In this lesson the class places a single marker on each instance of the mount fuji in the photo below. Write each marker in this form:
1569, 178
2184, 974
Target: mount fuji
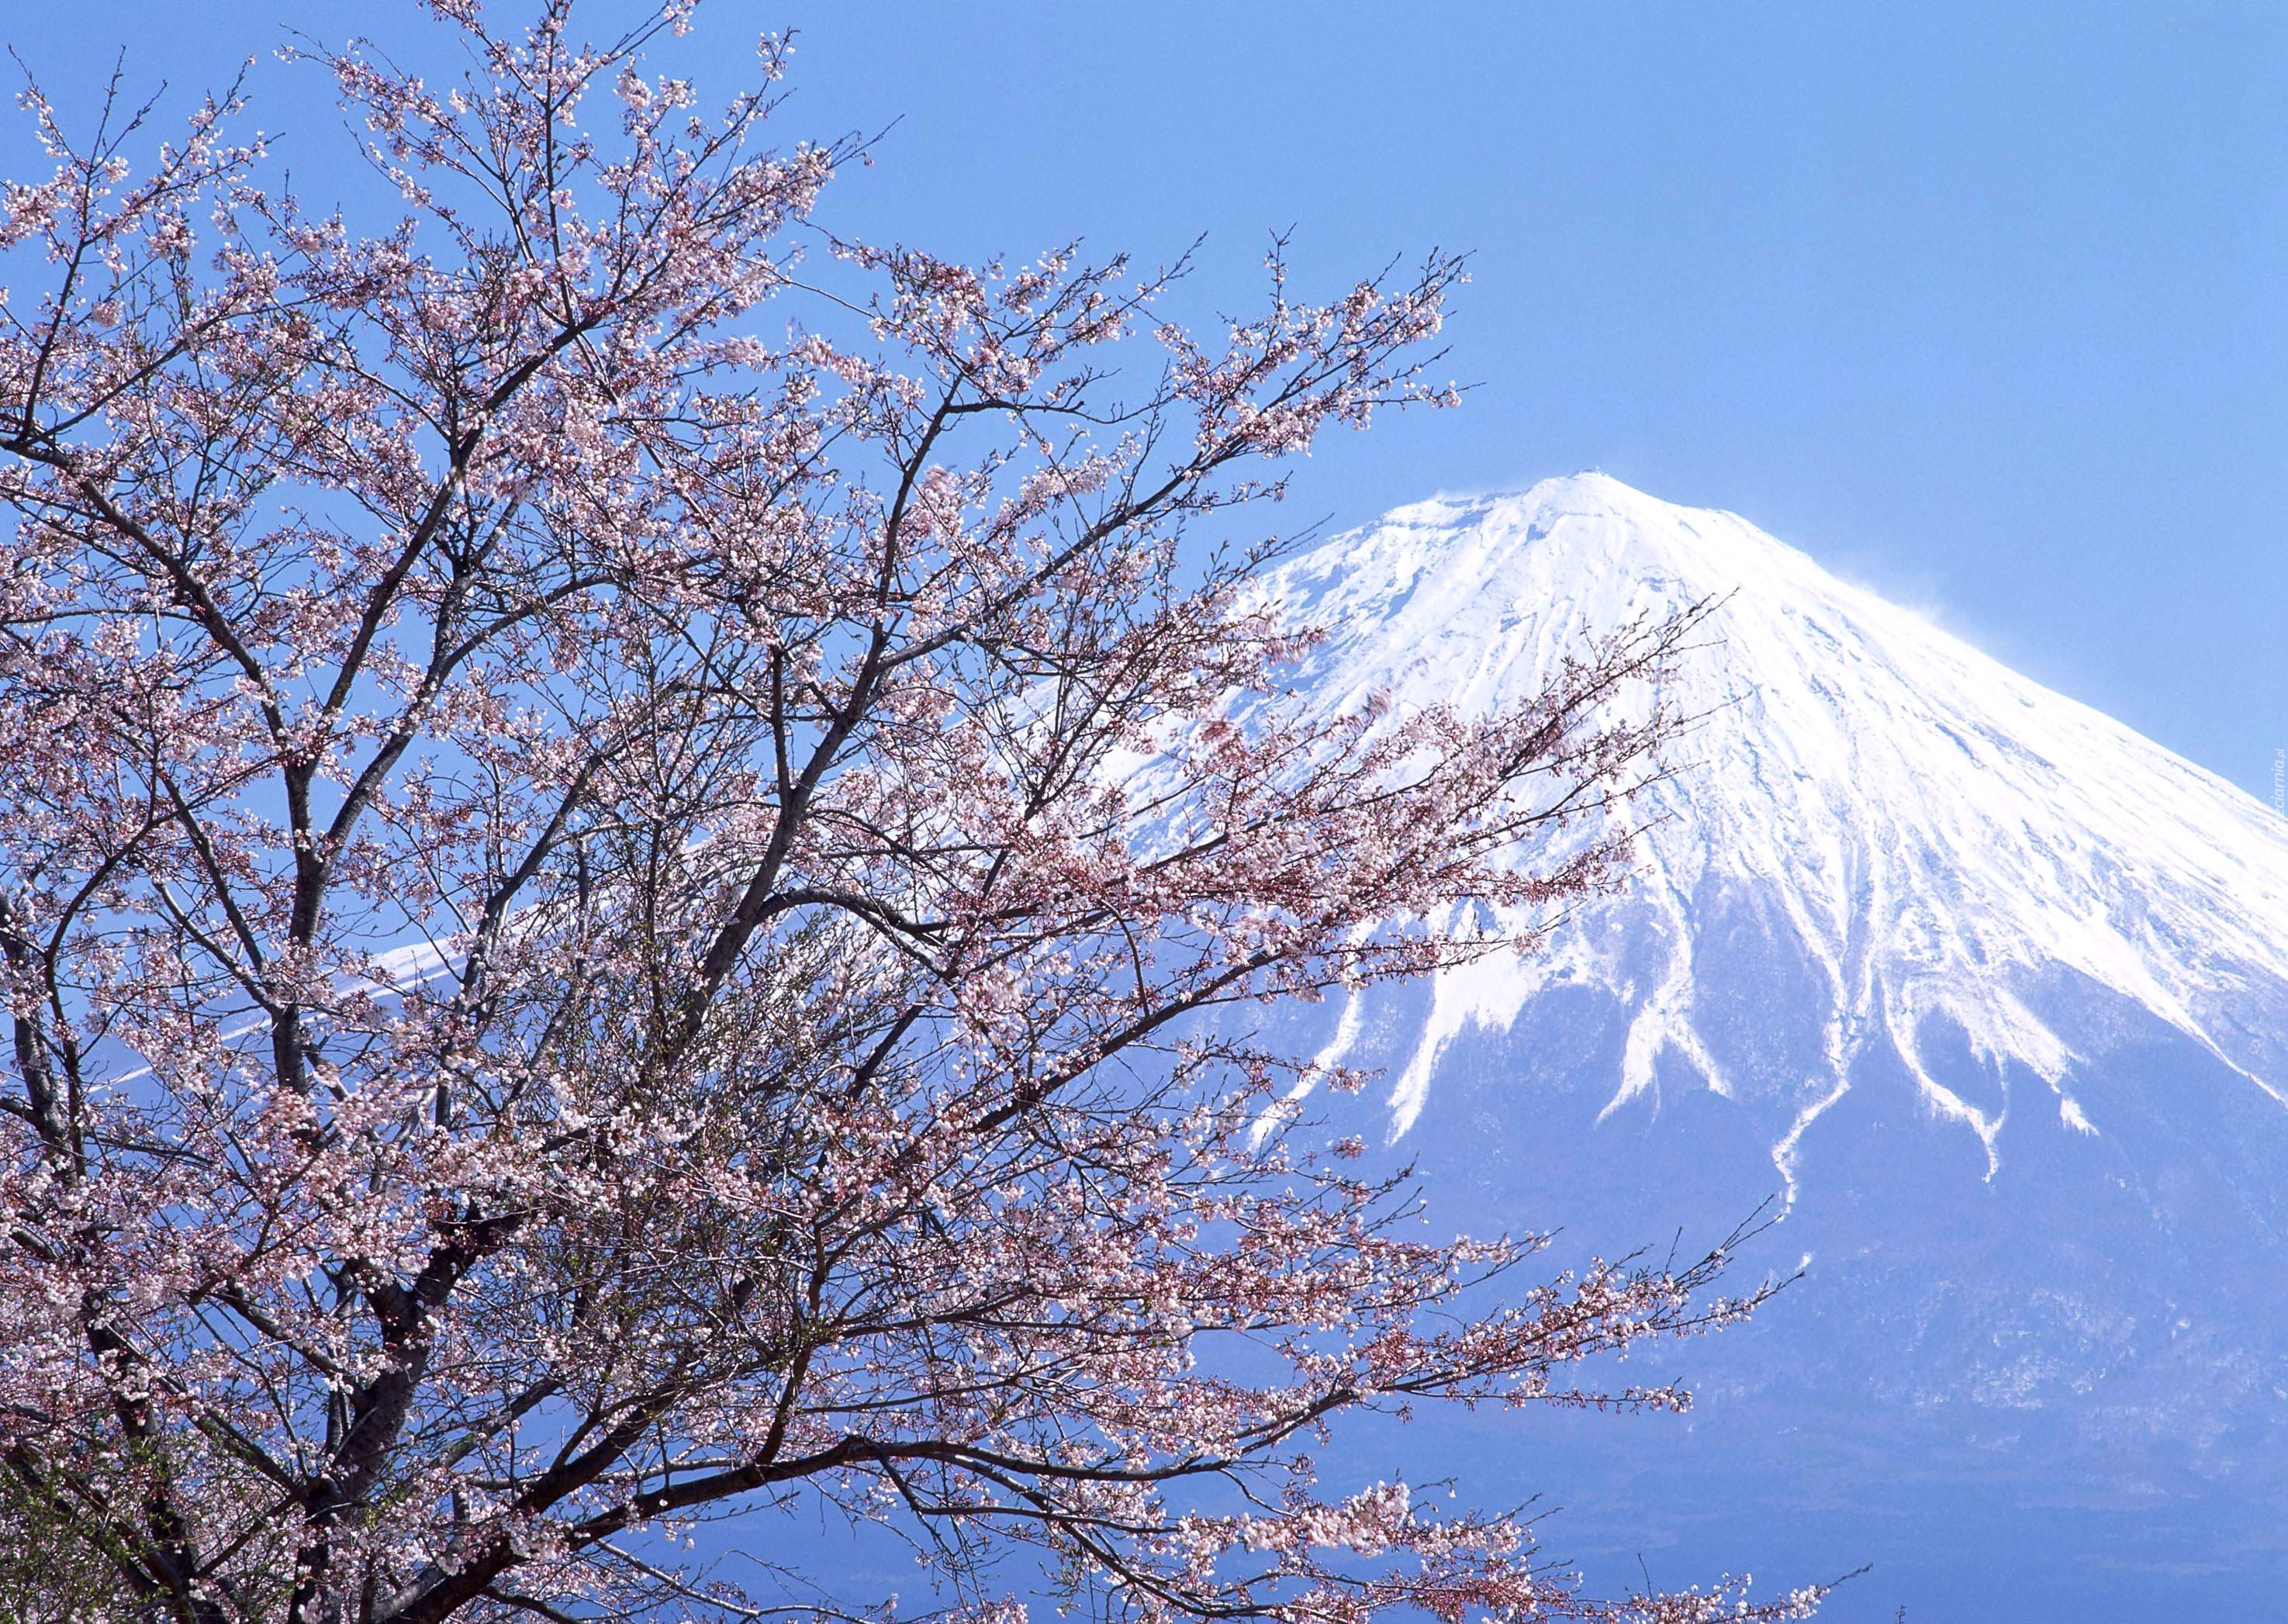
1989, 992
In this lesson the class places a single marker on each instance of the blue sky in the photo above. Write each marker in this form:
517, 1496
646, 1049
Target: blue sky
1986, 306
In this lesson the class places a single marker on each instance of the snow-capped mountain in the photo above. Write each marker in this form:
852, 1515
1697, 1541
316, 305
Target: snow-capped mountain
1990, 989
1935, 833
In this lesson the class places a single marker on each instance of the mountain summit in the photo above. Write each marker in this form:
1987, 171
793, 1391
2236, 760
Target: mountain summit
1955, 856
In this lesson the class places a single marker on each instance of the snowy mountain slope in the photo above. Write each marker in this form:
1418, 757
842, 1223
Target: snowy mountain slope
1942, 846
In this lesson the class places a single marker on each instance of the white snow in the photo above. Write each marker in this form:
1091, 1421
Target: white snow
1936, 831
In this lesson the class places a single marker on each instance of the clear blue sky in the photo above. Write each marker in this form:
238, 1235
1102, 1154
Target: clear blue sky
1985, 305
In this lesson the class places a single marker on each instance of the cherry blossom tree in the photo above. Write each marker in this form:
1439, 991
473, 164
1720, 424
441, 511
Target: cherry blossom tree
634, 841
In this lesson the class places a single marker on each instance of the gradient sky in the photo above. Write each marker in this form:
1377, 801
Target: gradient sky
1985, 307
